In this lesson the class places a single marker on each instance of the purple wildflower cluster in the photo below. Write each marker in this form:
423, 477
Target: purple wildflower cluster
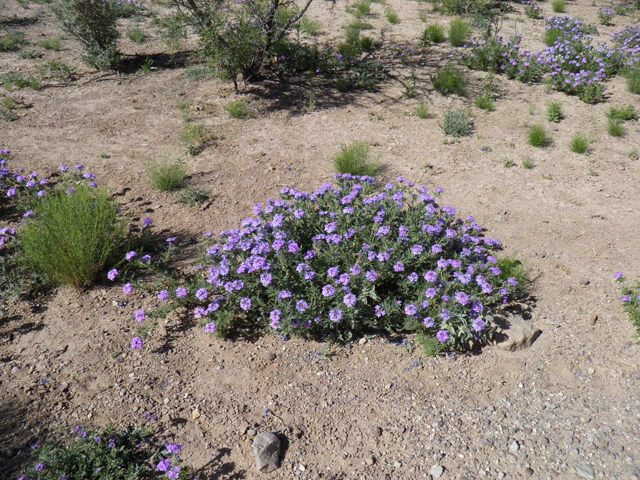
347, 257
606, 15
630, 299
572, 64
532, 10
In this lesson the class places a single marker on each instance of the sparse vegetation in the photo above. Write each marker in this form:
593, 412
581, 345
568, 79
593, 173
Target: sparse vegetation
433, 34
421, 111
356, 159
554, 112
485, 102
538, 136
167, 176
559, 6
237, 109
615, 128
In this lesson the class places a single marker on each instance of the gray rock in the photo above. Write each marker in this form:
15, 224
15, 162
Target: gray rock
266, 451
436, 471
514, 447
514, 333
586, 471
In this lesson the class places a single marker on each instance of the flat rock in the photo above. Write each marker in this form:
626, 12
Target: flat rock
436, 471
266, 451
586, 471
514, 333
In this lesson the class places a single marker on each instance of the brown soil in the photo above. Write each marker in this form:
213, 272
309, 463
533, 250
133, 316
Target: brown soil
572, 399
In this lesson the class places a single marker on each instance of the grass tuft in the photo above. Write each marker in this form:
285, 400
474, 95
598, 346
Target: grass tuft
615, 127
433, 34
579, 144
356, 159
538, 136
450, 80
485, 102
421, 111
559, 6
459, 32
167, 176
237, 109
554, 112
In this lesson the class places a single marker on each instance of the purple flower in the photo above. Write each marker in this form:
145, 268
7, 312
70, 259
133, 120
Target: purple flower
171, 240
442, 336
202, 294
371, 275
349, 299
398, 267
145, 259
130, 256
436, 249
328, 291
64, 168
42, 193
627, 298
181, 292
462, 298
335, 315
174, 448
78, 428
174, 473
293, 247
284, 294
136, 343
71, 191
428, 322
618, 275
478, 324
141, 315
164, 465
410, 310
245, 304
11, 192
431, 276
112, 274
331, 227
127, 289
79, 167
412, 277
210, 327
163, 295
39, 467
333, 271
301, 306
417, 249
147, 222
430, 292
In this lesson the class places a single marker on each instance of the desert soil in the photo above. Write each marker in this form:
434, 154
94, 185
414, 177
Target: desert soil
566, 408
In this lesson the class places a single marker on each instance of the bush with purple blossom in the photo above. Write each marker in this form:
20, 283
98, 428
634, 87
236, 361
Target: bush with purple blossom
630, 300
110, 454
347, 259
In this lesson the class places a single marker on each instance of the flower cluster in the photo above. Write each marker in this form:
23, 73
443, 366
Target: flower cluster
606, 15
630, 299
348, 258
531, 10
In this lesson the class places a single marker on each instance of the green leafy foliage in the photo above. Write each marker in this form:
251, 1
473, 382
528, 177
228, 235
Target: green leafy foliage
579, 144
433, 34
554, 112
167, 176
456, 123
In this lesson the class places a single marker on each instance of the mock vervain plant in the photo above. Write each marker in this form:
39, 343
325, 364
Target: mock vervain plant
347, 259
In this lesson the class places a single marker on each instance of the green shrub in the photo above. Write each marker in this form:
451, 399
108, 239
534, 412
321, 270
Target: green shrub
512, 267
193, 138
194, 196
633, 81
237, 109
559, 6
623, 114
456, 123
485, 102
51, 44
136, 35
459, 33
554, 112
615, 127
310, 26
94, 24
551, 36
538, 136
579, 144
422, 111
109, 454
12, 42
361, 8
73, 236
450, 80
167, 176
433, 34
356, 159
392, 16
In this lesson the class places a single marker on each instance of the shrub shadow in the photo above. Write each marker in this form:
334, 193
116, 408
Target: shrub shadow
217, 468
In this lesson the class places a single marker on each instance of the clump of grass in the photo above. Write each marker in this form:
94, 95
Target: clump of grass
12, 42
192, 138
310, 27
200, 73
633, 81
459, 32
512, 267
634, 154
356, 159
193, 196
559, 6
615, 127
554, 112
485, 102
19, 80
392, 16
136, 35
361, 8
167, 176
73, 237
433, 34
528, 164
623, 114
508, 163
237, 109
456, 123
450, 80
53, 44
359, 25
579, 144
421, 111
551, 36
58, 70
538, 136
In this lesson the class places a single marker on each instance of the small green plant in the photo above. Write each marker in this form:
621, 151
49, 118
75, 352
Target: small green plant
51, 44
623, 114
634, 154
559, 6
450, 80
94, 24
58, 70
200, 73
361, 8
356, 159
631, 301
136, 35
193, 196
392, 16
421, 111
528, 163
237, 109
508, 163
554, 112
310, 26
633, 81
532, 110
579, 144
12, 42
456, 123
538, 136
433, 34
193, 138
19, 80
615, 128
512, 267
167, 176
485, 102
147, 65
109, 454
359, 25
459, 32
73, 235
552, 35
410, 89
